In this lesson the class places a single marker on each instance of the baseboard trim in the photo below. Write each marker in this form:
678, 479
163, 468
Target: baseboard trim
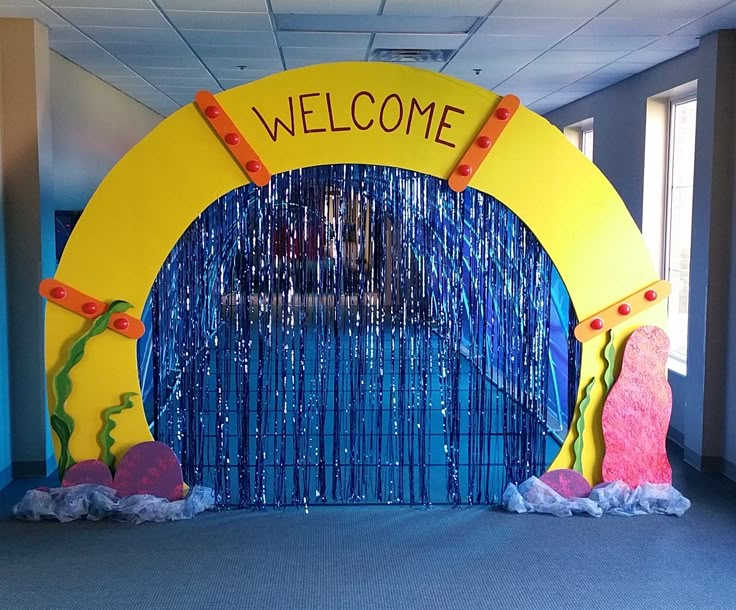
677, 437
6, 476
704, 463
30, 470
729, 470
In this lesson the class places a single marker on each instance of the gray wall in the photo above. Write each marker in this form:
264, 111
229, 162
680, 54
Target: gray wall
704, 409
76, 128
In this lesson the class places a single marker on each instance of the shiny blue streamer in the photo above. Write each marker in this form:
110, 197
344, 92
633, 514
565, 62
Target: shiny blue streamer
355, 334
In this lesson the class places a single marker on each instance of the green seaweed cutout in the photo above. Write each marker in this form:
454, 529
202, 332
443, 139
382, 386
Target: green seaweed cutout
578, 444
61, 384
609, 354
106, 440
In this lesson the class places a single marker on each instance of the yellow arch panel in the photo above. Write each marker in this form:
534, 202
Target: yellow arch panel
368, 113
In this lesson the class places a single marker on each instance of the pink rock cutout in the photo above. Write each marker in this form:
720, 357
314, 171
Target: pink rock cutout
88, 471
637, 412
568, 483
150, 468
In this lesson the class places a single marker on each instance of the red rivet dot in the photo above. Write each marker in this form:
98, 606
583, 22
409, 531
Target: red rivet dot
464, 170
121, 324
596, 323
212, 111
484, 142
503, 113
253, 166
89, 308
624, 309
650, 295
232, 139
58, 292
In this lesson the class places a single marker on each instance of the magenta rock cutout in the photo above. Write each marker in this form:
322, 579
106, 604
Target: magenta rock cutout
150, 468
89, 471
568, 483
637, 412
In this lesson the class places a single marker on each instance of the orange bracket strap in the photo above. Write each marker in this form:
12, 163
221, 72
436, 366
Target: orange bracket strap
233, 140
615, 314
483, 142
78, 302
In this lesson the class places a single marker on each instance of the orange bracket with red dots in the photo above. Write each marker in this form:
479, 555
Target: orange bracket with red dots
78, 302
483, 142
615, 314
237, 145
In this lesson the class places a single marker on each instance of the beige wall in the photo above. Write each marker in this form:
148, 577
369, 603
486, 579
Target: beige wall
92, 126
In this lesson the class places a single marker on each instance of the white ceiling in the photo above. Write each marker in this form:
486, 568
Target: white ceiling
548, 52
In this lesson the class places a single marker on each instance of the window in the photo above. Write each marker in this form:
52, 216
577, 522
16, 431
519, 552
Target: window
669, 163
581, 136
586, 142
678, 220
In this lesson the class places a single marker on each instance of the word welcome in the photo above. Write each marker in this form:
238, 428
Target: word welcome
316, 113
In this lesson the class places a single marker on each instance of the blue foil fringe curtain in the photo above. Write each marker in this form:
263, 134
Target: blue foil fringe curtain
355, 334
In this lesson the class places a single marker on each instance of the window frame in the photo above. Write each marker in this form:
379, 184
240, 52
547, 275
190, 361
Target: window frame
675, 361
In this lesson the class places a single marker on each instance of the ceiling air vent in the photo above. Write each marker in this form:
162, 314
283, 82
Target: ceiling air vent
411, 55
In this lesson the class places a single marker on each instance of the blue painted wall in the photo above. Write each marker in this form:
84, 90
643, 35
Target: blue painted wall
704, 401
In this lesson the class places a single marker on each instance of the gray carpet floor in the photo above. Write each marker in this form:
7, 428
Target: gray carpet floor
380, 557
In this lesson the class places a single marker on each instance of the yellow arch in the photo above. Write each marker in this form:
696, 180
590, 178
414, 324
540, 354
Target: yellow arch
152, 195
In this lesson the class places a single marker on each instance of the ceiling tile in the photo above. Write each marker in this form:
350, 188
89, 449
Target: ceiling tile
655, 8
339, 7
528, 26
151, 61
375, 23
105, 34
261, 52
241, 6
38, 12
323, 39
229, 38
326, 54
545, 8
582, 88
418, 41
489, 43
301, 63
153, 73
224, 74
490, 72
16, 3
647, 55
503, 56
630, 27
553, 71
723, 19
203, 83
234, 82
464, 8
232, 63
674, 43
133, 18
580, 57
125, 4
66, 33
199, 20
604, 43
611, 73
159, 49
